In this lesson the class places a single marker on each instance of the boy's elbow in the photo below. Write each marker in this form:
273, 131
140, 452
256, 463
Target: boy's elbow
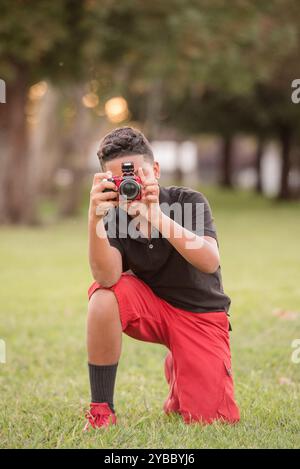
107, 281
213, 270
212, 267
110, 283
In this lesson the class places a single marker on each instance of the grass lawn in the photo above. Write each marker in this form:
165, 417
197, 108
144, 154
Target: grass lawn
43, 299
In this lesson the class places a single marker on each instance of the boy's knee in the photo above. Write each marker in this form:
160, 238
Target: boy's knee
102, 304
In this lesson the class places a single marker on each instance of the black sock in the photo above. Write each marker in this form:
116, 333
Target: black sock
102, 381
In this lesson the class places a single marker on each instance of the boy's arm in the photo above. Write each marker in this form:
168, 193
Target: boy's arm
200, 251
105, 260
200, 248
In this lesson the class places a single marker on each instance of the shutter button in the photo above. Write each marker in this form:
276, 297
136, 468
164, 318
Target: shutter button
150, 246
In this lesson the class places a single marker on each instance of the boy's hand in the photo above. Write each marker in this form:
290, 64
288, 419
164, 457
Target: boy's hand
101, 202
148, 206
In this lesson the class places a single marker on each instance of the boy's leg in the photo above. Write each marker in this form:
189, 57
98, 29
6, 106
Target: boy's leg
202, 367
142, 314
104, 328
129, 306
104, 336
201, 361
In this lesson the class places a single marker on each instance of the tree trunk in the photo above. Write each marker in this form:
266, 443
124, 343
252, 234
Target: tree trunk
226, 168
286, 143
17, 205
46, 151
77, 149
258, 161
3, 160
178, 173
153, 108
72, 200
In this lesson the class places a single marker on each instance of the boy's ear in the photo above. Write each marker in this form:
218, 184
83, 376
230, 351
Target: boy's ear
156, 169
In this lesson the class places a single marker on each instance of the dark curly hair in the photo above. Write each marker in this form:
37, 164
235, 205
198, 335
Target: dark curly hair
124, 141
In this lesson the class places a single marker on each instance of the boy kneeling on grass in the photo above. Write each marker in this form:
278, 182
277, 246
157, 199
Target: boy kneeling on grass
153, 253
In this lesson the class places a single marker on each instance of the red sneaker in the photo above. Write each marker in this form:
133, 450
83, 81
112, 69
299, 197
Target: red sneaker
99, 415
172, 403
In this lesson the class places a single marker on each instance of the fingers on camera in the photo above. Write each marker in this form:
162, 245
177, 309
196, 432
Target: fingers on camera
106, 205
101, 186
110, 195
151, 188
98, 177
151, 198
142, 175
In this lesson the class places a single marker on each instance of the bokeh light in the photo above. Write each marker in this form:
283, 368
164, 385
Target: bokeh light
90, 100
116, 109
38, 90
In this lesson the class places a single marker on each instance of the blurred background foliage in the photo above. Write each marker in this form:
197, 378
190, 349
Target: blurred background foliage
180, 70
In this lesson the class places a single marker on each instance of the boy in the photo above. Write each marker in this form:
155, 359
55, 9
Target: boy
172, 294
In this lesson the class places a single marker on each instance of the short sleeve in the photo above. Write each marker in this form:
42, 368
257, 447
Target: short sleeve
198, 215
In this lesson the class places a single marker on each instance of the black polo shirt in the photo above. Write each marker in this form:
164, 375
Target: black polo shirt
156, 261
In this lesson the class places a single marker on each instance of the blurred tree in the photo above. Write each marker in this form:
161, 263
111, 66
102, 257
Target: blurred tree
65, 42
223, 63
37, 40
186, 63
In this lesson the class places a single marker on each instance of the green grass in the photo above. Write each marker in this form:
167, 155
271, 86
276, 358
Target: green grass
43, 299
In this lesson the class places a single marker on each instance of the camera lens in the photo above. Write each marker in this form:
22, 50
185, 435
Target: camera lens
129, 189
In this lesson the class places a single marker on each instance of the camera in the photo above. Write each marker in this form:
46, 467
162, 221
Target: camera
129, 186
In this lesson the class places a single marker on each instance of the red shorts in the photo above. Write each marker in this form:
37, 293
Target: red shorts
199, 344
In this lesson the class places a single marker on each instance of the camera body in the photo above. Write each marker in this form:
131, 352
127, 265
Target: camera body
128, 185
